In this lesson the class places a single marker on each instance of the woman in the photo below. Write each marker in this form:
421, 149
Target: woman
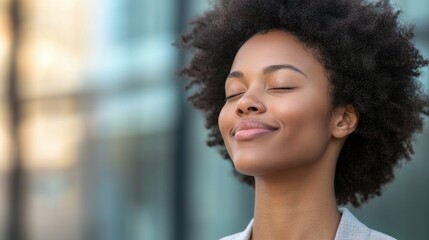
314, 102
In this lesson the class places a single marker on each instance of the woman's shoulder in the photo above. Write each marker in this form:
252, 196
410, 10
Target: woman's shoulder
244, 235
351, 228
233, 237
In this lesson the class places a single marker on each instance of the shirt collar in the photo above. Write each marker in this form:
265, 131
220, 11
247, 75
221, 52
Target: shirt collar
349, 226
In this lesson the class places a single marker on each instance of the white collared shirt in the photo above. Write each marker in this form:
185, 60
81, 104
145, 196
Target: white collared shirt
350, 228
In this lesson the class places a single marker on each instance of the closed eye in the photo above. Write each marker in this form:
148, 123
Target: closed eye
232, 96
282, 88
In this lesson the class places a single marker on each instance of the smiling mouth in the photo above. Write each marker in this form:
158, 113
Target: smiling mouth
251, 129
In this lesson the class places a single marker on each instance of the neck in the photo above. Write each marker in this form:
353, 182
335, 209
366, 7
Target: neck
299, 204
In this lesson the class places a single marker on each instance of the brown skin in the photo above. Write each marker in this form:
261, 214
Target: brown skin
281, 128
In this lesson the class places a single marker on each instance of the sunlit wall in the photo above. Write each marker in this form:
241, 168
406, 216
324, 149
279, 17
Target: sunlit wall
110, 148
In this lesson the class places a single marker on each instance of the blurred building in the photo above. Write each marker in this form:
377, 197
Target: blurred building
109, 146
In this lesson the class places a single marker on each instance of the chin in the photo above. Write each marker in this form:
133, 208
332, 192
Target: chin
252, 165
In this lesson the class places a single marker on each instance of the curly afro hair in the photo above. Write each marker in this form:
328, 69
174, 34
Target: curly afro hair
373, 66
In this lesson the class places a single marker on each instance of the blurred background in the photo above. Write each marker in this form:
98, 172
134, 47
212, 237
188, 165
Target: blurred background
98, 142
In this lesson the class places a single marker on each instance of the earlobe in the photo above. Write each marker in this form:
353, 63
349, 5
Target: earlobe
346, 119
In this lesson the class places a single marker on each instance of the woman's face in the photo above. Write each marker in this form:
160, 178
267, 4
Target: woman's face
278, 113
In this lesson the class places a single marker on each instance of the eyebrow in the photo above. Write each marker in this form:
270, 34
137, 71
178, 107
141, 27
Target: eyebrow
269, 69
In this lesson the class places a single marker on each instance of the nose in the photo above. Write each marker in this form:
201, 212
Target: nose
249, 103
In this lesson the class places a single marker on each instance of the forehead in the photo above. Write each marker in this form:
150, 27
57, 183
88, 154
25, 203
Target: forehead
273, 47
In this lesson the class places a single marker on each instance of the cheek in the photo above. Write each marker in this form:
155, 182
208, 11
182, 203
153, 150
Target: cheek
225, 122
309, 109
298, 113
306, 125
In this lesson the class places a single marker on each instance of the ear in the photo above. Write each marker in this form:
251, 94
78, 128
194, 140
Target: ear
345, 121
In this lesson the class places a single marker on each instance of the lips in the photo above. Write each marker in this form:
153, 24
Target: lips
250, 129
